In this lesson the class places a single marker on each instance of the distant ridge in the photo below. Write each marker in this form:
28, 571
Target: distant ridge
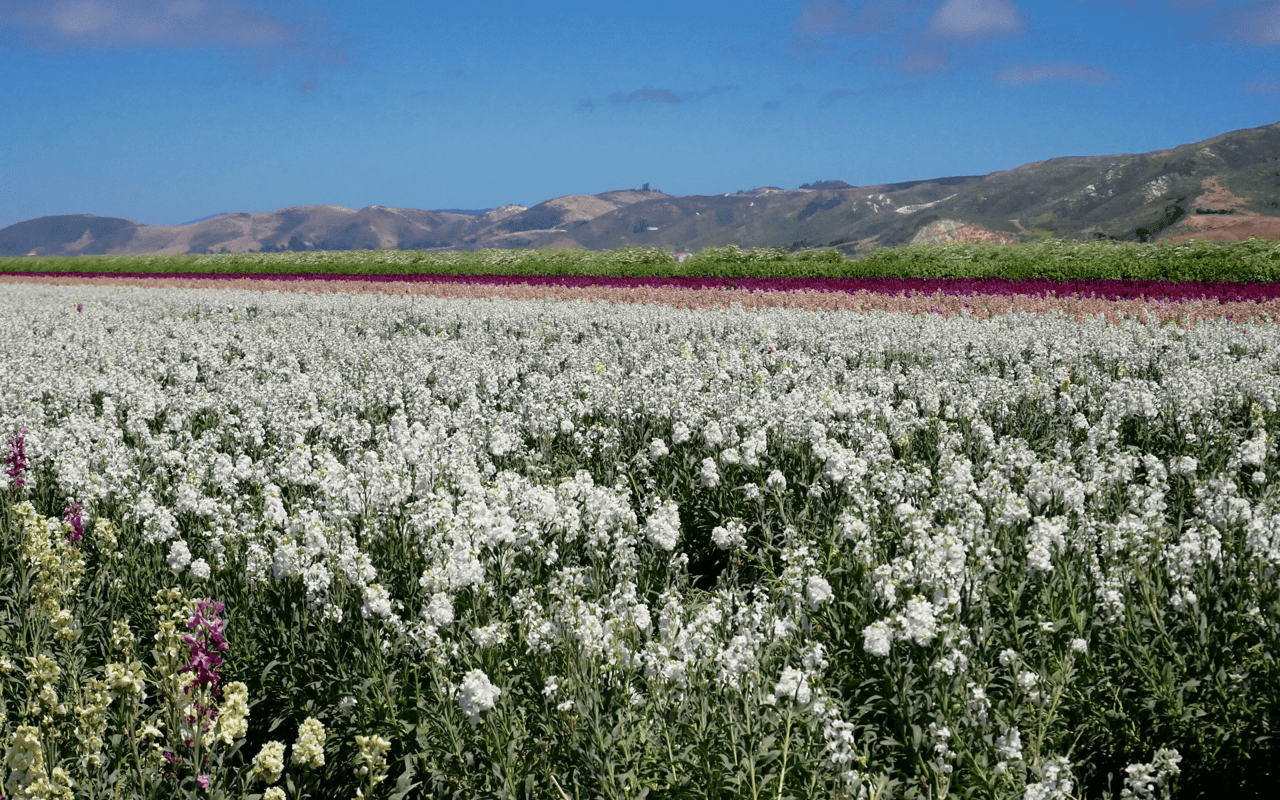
202, 219
1227, 187
470, 212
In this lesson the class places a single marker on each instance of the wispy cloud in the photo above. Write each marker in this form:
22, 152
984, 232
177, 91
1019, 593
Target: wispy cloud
808, 47
925, 61
661, 96
655, 97
833, 96
839, 18
1017, 74
976, 19
180, 24
1262, 85
152, 23
1255, 24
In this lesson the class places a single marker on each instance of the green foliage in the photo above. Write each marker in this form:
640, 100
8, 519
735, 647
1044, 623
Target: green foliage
1256, 260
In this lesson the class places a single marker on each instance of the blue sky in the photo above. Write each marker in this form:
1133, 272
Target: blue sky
164, 111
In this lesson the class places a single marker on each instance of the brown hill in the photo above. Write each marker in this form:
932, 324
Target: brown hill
1227, 187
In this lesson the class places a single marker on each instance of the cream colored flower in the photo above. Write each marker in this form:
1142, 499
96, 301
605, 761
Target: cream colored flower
268, 764
373, 752
233, 716
309, 749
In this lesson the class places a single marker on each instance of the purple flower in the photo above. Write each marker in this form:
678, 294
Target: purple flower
204, 781
79, 306
74, 516
206, 643
17, 458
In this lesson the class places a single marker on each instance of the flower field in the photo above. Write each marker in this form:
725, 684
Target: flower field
282, 545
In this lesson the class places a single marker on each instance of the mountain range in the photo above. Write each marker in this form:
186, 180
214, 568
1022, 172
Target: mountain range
1223, 188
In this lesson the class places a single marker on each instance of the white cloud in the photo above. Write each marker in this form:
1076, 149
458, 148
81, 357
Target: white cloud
974, 19
1262, 85
1055, 71
1256, 23
146, 23
839, 18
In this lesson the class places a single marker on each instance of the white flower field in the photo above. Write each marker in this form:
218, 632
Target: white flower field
552, 549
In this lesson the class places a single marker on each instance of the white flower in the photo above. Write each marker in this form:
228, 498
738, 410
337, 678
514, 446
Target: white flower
663, 526
818, 591
489, 635
709, 477
1010, 744
1254, 451
658, 449
729, 536
377, 602
1055, 781
179, 556
477, 694
199, 569
711, 435
776, 481
439, 610
877, 638
793, 685
1008, 656
1143, 780
1079, 646
919, 623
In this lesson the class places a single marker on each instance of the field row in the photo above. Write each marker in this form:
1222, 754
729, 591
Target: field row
1254, 260
324, 544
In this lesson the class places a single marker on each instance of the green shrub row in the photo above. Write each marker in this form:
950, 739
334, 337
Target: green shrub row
1253, 260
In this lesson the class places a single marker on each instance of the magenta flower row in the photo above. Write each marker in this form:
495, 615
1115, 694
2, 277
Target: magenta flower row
1113, 290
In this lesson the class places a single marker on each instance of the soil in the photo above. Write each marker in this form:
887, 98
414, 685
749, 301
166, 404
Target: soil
1233, 227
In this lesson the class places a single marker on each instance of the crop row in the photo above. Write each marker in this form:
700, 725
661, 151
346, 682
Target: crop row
265, 544
1254, 260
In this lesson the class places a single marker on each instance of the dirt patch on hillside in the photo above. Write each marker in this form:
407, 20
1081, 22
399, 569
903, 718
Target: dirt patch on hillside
1237, 225
950, 230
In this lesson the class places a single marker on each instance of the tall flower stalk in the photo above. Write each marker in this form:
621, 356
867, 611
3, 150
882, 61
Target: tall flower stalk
16, 460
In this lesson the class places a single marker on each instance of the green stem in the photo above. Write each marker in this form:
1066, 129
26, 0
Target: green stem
786, 745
